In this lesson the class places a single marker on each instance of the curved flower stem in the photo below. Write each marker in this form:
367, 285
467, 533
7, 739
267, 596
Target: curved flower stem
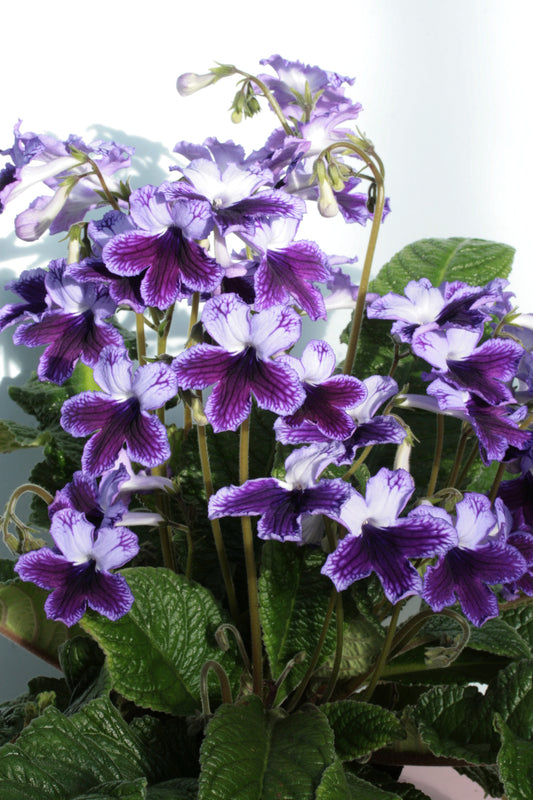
384, 655
223, 642
9, 516
251, 569
271, 99
225, 687
378, 174
110, 199
215, 526
316, 655
437, 456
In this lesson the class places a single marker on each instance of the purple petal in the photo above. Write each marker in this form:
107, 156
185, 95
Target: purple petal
350, 562
201, 366
253, 497
154, 384
114, 547
110, 595
43, 567
147, 441
85, 413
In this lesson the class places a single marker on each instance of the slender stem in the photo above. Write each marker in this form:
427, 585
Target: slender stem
338, 651
470, 460
141, 338
271, 99
496, 483
225, 688
251, 569
110, 199
382, 660
378, 176
316, 655
215, 526
437, 456
357, 464
187, 412
458, 456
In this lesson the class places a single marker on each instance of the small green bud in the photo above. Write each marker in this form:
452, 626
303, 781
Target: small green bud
335, 177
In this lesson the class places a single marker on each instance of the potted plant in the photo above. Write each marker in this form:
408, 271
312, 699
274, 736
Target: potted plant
264, 571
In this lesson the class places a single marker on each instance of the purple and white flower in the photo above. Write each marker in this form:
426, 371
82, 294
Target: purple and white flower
479, 559
284, 505
79, 568
119, 415
243, 362
379, 541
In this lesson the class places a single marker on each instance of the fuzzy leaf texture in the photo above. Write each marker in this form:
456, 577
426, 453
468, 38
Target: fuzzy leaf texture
155, 652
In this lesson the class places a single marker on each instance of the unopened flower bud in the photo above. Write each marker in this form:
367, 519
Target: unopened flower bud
190, 82
327, 204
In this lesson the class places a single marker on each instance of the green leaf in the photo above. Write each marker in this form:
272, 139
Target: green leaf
23, 620
293, 598
474, 261
14, 436
457, 721
360, 728
495, 636
82, 663
62, 758
363, 790
252, 754
334, 785
128, 790
155, 652
520, 617
176, 789
515, 761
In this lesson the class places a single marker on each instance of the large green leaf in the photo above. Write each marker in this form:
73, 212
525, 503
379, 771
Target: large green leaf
252, 754
371, 781
495, 636
155, 653
360, 728
23, 620
176, 789
473, 261
293, 598
457, 721
67, 758
515, 761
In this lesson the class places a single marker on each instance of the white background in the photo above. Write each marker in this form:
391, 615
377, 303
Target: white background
445, 87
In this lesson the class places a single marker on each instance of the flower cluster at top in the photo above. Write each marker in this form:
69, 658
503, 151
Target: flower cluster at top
223, 231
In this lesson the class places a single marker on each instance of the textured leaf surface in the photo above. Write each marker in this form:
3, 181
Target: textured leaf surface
59, 758
252, 754
360, 728
155, 652
14, 436
23, 620
515, 761
334, 785
495, 636
178, 789
458, 721
474, 261
363, 790
293, 597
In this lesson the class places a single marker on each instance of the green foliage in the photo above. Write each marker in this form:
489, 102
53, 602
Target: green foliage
515, 761
93, 753
250, 753
360, 728
474, 261
155, 652
23, 619
14, 436
293, 598
457, 721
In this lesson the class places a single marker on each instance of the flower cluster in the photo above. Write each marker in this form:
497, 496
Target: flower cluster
223, 231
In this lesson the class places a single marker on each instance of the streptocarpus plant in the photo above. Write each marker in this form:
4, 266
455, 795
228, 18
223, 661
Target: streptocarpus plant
329, 558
